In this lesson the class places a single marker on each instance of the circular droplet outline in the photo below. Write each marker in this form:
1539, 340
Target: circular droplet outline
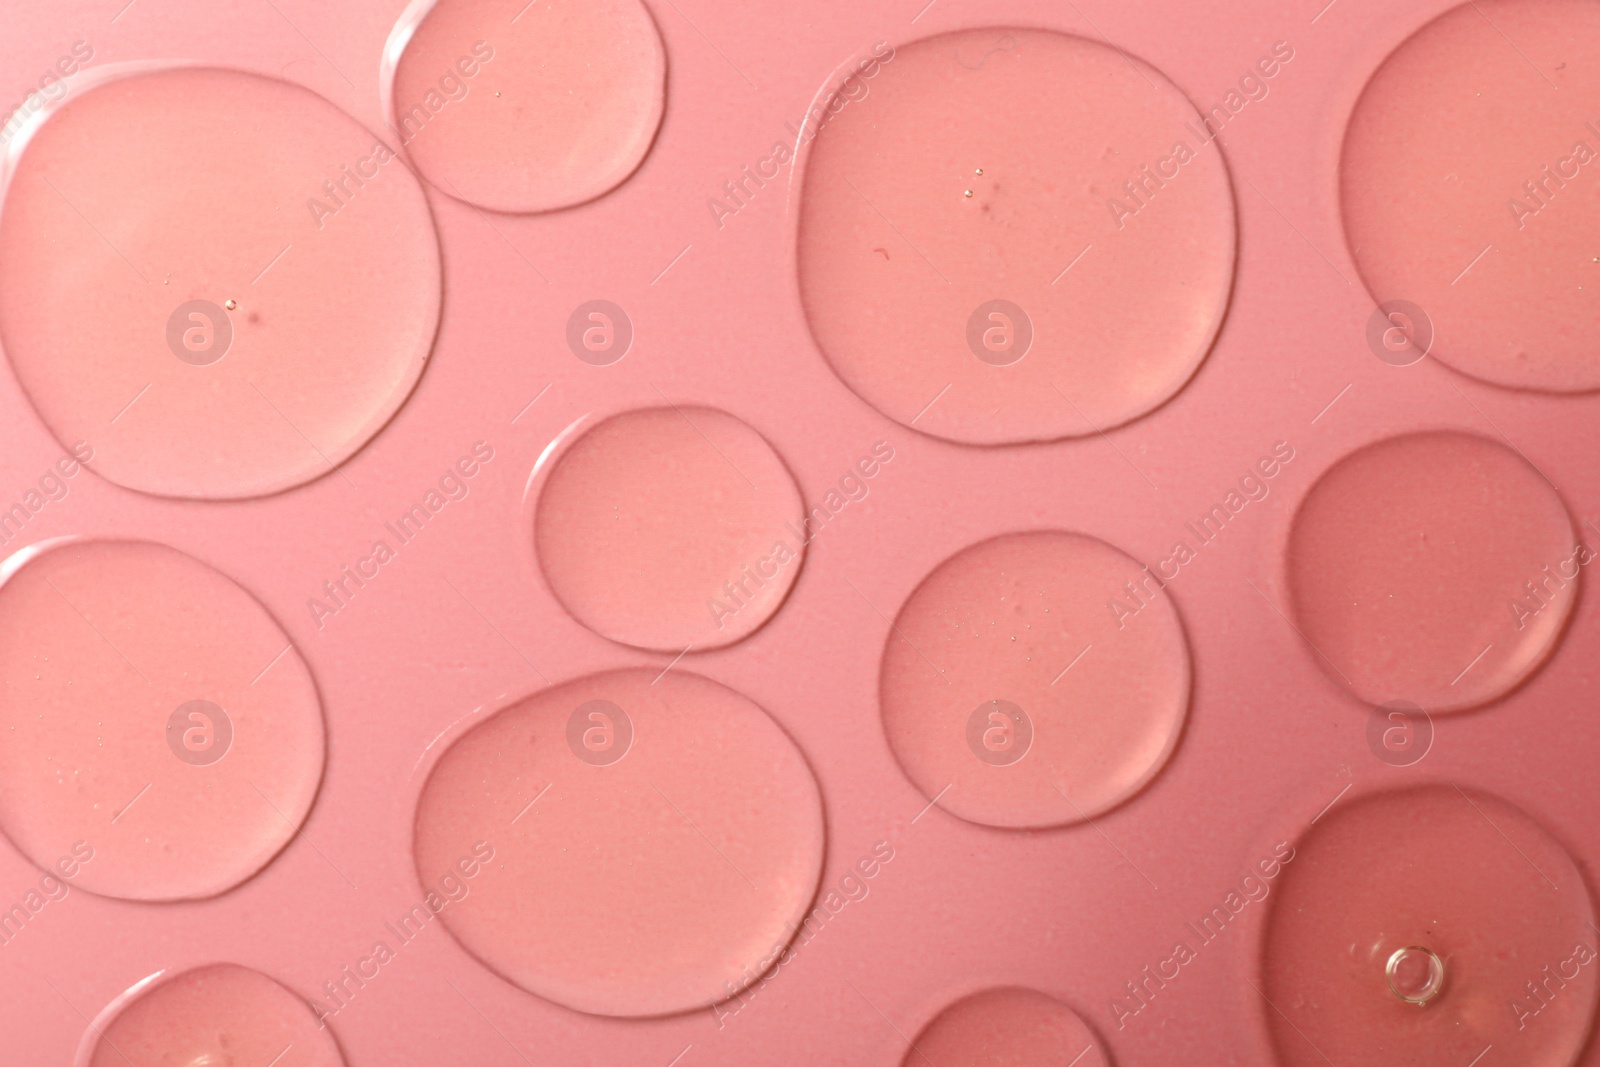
13, 564
443, 742
1079, 818
91, 78
90, 1040
561, 445
799, 164
1288, 520
415, 13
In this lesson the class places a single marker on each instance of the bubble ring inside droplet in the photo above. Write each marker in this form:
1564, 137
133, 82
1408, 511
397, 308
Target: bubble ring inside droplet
1429, 988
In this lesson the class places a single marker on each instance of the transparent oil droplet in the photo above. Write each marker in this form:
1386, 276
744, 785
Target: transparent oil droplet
1458, 595
647, 769
192, 406
213, 757
666, 527
214, 1016
1400, 921
587, 81
954, 647
890, 333
1002, 1027
1511, 309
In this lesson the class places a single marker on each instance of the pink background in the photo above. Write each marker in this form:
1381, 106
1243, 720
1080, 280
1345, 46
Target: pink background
1269, 740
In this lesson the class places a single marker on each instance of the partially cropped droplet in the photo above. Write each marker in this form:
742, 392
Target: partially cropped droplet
218, 1015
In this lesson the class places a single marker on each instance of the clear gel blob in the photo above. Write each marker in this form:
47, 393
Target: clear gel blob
244, 323
1468, 184
158, 731
1437, 568
1008, 1027
638, 843
1012, 695
524, 107
219, 1015
666, 528
1432, 869
1012, 235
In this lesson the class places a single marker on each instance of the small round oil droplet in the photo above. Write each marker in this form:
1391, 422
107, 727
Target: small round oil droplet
1007, 1027
211, 1016
1437, 568
669, 805
1415, 974
231, 304
1012, 695
521, 107
668, 527
160, 729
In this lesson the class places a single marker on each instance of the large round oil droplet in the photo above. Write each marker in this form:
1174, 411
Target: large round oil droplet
250, 318
1468, 187
1010, 1027
220, 1015
671, 527
1487, 913
158, 731
1437, 568
1013, 235
1016, 696
524, 107
630, 845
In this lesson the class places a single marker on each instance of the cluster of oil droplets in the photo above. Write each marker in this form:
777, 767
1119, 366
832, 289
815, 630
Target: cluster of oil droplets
228, 368
1440, 924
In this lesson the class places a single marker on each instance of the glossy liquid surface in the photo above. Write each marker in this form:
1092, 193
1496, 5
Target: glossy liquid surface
1013, 695
970, 261
237, 327
656, 842
671, 527
524, 107
1468, 183
1007, 1028
152, 715
220, 1015
1438, 568
1460, 873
